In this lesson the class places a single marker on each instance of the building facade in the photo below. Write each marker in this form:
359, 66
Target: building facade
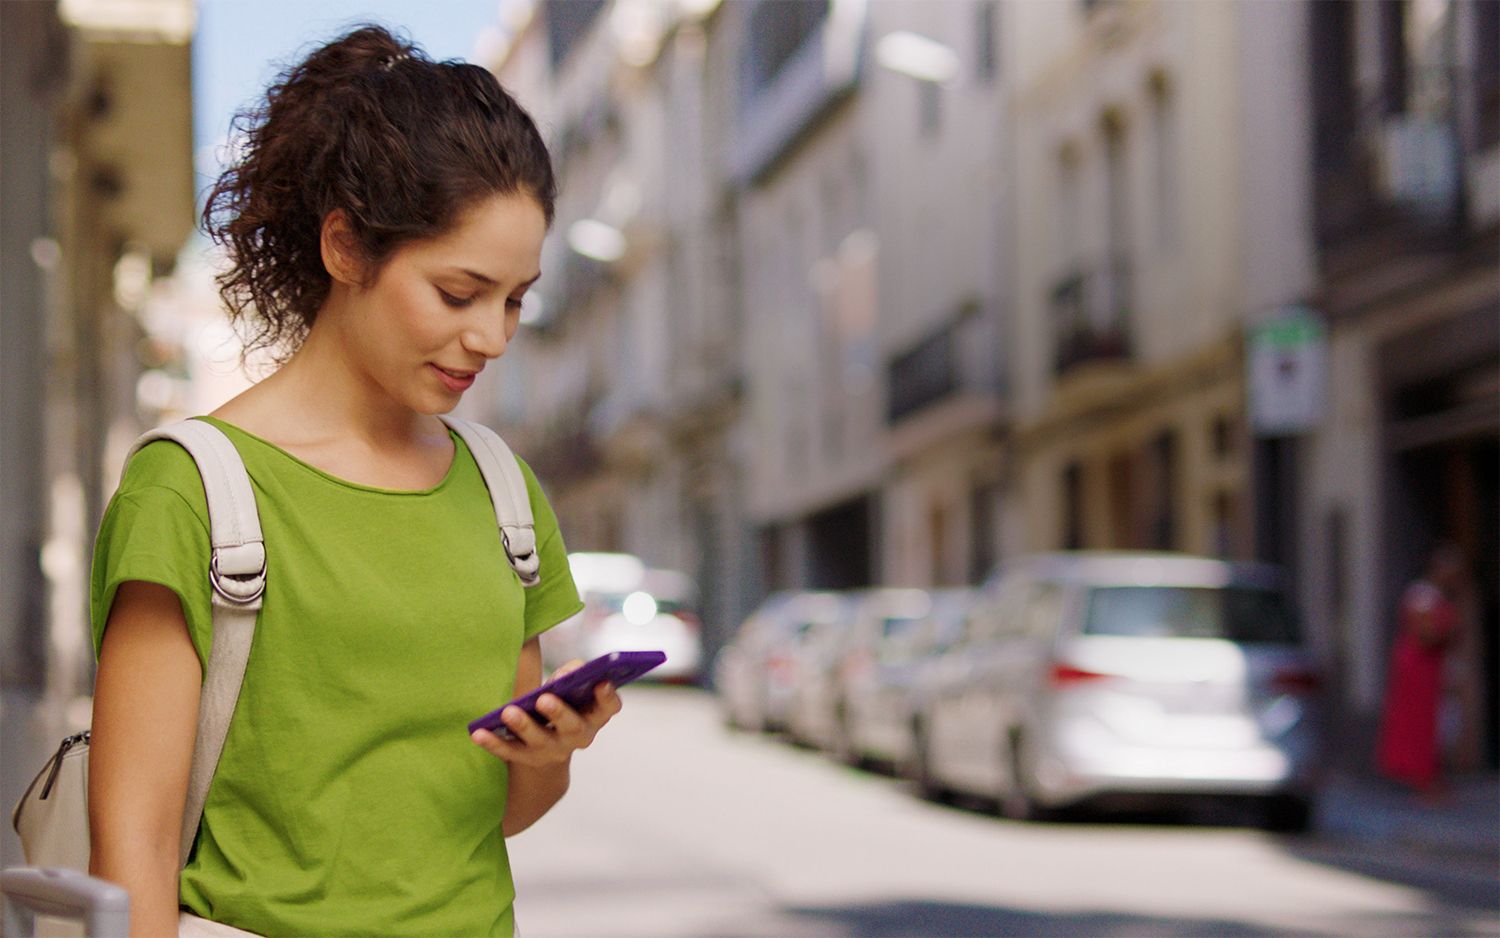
626, 394
938, 203
1406, 112
1150, 227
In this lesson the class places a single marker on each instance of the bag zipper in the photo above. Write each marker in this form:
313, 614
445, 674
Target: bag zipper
62, 750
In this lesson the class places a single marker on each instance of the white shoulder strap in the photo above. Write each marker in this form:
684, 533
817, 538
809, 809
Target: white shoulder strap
508, 495
237, 574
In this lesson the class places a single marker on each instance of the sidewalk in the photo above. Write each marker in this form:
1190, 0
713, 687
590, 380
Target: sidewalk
1364, 807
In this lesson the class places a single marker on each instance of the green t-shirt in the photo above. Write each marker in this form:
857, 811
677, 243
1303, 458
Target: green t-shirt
349, 798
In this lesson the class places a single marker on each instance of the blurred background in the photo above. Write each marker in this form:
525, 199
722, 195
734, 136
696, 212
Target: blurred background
852, 295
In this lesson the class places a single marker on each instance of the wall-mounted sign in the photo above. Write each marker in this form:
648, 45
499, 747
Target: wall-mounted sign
1288, 370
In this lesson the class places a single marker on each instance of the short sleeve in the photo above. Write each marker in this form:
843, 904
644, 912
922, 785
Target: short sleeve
154, 532
555, 598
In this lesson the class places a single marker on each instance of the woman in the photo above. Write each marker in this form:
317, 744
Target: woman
383, 223
1408, 749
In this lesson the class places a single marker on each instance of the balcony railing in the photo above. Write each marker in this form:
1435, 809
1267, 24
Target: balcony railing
1091, 313
1380, 166
923, 376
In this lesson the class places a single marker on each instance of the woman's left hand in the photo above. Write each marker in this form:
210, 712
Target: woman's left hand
566, 731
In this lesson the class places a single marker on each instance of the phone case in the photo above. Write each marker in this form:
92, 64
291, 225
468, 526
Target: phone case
576, 688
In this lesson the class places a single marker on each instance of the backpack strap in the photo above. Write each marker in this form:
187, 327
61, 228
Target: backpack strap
508, 495
237, 573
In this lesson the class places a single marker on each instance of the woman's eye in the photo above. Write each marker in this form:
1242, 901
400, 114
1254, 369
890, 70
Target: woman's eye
513, 304
454, 301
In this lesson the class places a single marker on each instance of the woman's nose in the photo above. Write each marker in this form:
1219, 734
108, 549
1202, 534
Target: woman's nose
485, 334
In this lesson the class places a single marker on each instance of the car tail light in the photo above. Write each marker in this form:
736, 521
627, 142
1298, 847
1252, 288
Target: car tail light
1296, 681
1066, 675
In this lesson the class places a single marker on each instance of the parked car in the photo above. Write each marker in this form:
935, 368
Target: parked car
846, 659
755, 674
658, 614
880, 698
812, 713
1089, 674
597, 576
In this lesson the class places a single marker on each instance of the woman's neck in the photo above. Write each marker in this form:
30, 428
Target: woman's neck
327, 395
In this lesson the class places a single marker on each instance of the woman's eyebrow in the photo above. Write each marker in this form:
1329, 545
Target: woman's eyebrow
492, 283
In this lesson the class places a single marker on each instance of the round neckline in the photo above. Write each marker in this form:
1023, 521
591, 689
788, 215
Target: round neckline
336, 480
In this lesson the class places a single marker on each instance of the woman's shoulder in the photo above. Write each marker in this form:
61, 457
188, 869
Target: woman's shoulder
161, 464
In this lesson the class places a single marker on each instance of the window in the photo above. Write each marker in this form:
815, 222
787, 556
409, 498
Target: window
1487, 72
1070, 208
776, 30
1164, 168
1163, 498
982, 513
930, 102
1224, 437
938, 537
1118, 221
1072, 495
985, 64
567, 23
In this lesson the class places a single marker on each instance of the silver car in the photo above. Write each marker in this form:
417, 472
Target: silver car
879, 681
1091, 674
756, 674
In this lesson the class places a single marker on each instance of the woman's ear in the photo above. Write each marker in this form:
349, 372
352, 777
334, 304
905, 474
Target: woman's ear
341, 254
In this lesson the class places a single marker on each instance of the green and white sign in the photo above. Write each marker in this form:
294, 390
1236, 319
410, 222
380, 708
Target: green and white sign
1288, 371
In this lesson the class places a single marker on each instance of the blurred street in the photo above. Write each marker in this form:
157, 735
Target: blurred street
676, 826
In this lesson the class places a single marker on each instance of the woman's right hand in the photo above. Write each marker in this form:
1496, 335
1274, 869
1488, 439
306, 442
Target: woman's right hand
145, 724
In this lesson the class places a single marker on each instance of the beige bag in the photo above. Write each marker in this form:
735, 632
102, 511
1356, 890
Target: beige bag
49, 836
52, 817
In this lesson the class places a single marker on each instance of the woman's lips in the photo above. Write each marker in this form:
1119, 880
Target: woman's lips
454, 382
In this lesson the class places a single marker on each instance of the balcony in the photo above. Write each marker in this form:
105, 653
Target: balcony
801, 58
1389, 170
948, 384
1091, 312
923, 376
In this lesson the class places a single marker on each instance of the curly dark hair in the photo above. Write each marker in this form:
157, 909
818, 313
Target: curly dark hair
368, 124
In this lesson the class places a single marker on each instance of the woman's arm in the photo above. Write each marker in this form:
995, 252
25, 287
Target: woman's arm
145, 724
540, 758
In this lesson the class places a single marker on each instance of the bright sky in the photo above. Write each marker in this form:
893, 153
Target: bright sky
242, 44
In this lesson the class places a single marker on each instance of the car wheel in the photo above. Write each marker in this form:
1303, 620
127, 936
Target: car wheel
731, 719
1288, 814
919, 768
843, 747
1017, 802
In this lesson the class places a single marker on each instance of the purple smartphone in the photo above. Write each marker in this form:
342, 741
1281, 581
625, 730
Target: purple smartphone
576, 688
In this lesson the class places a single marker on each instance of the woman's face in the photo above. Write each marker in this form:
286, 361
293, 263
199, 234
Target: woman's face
441, 308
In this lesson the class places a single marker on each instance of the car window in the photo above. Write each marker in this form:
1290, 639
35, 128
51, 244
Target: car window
902, 638
1241, 614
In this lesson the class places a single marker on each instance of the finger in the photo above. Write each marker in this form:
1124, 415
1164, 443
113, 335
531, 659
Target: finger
497, 746
564, 719
607, 702
567, 667
527, 731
